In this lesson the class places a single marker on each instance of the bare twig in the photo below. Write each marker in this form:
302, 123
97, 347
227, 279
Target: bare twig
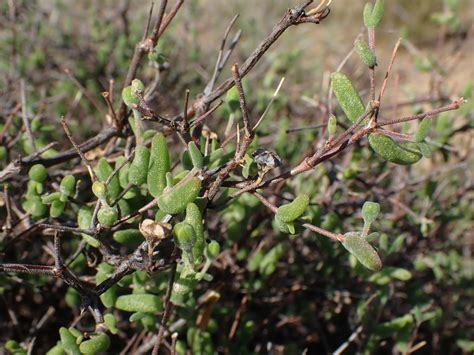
81, 154
387, 74
247, 139
294, 16
112, 114
141, 48
24, 116
451, 107
84, 92
313, 228
166, 313
169, 17
219, 63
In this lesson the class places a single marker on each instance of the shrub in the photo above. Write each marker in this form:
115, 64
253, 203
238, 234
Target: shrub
220, 228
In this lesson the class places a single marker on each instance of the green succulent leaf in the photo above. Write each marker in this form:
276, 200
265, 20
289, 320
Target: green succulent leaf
129, 97
175, 199
294, 210
365, 53
67, 187
194, 218
423, 130
284, 227
137, 86
103, 170
57, 208
213, 249
232, 99
362, 250
373, 15
138, 171
128, 237
144, 303
160, 164
196, 155
107, 216
50, 198
38, 173
96, 344
183, 286
347, 96
68, 342
332, 125
393, 152
370, 211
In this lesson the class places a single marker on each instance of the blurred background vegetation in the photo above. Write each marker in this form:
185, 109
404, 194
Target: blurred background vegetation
308, 295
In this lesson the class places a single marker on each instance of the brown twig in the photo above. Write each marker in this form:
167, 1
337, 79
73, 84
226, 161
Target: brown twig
167, 311
313, 228
24, 116
8, 222
451, 107
78, 150
112, 114
169, 17
84, 92
387, 74
292, 17
247, 139
141, 48
219, 62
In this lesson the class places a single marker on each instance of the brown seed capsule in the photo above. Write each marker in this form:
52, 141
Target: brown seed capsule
154, 232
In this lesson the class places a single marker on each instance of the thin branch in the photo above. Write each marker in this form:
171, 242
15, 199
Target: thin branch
6, 196
219, 65
275, 94
66, 229
186, 104
79, 152
148, 21
112, 114
24, 116
247, 139
140, 49
136, 213
156, 30
292, 17
387, 74
167, 312
451, 107
313, 228
167, 20
243, 103
201, 118
84, 92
